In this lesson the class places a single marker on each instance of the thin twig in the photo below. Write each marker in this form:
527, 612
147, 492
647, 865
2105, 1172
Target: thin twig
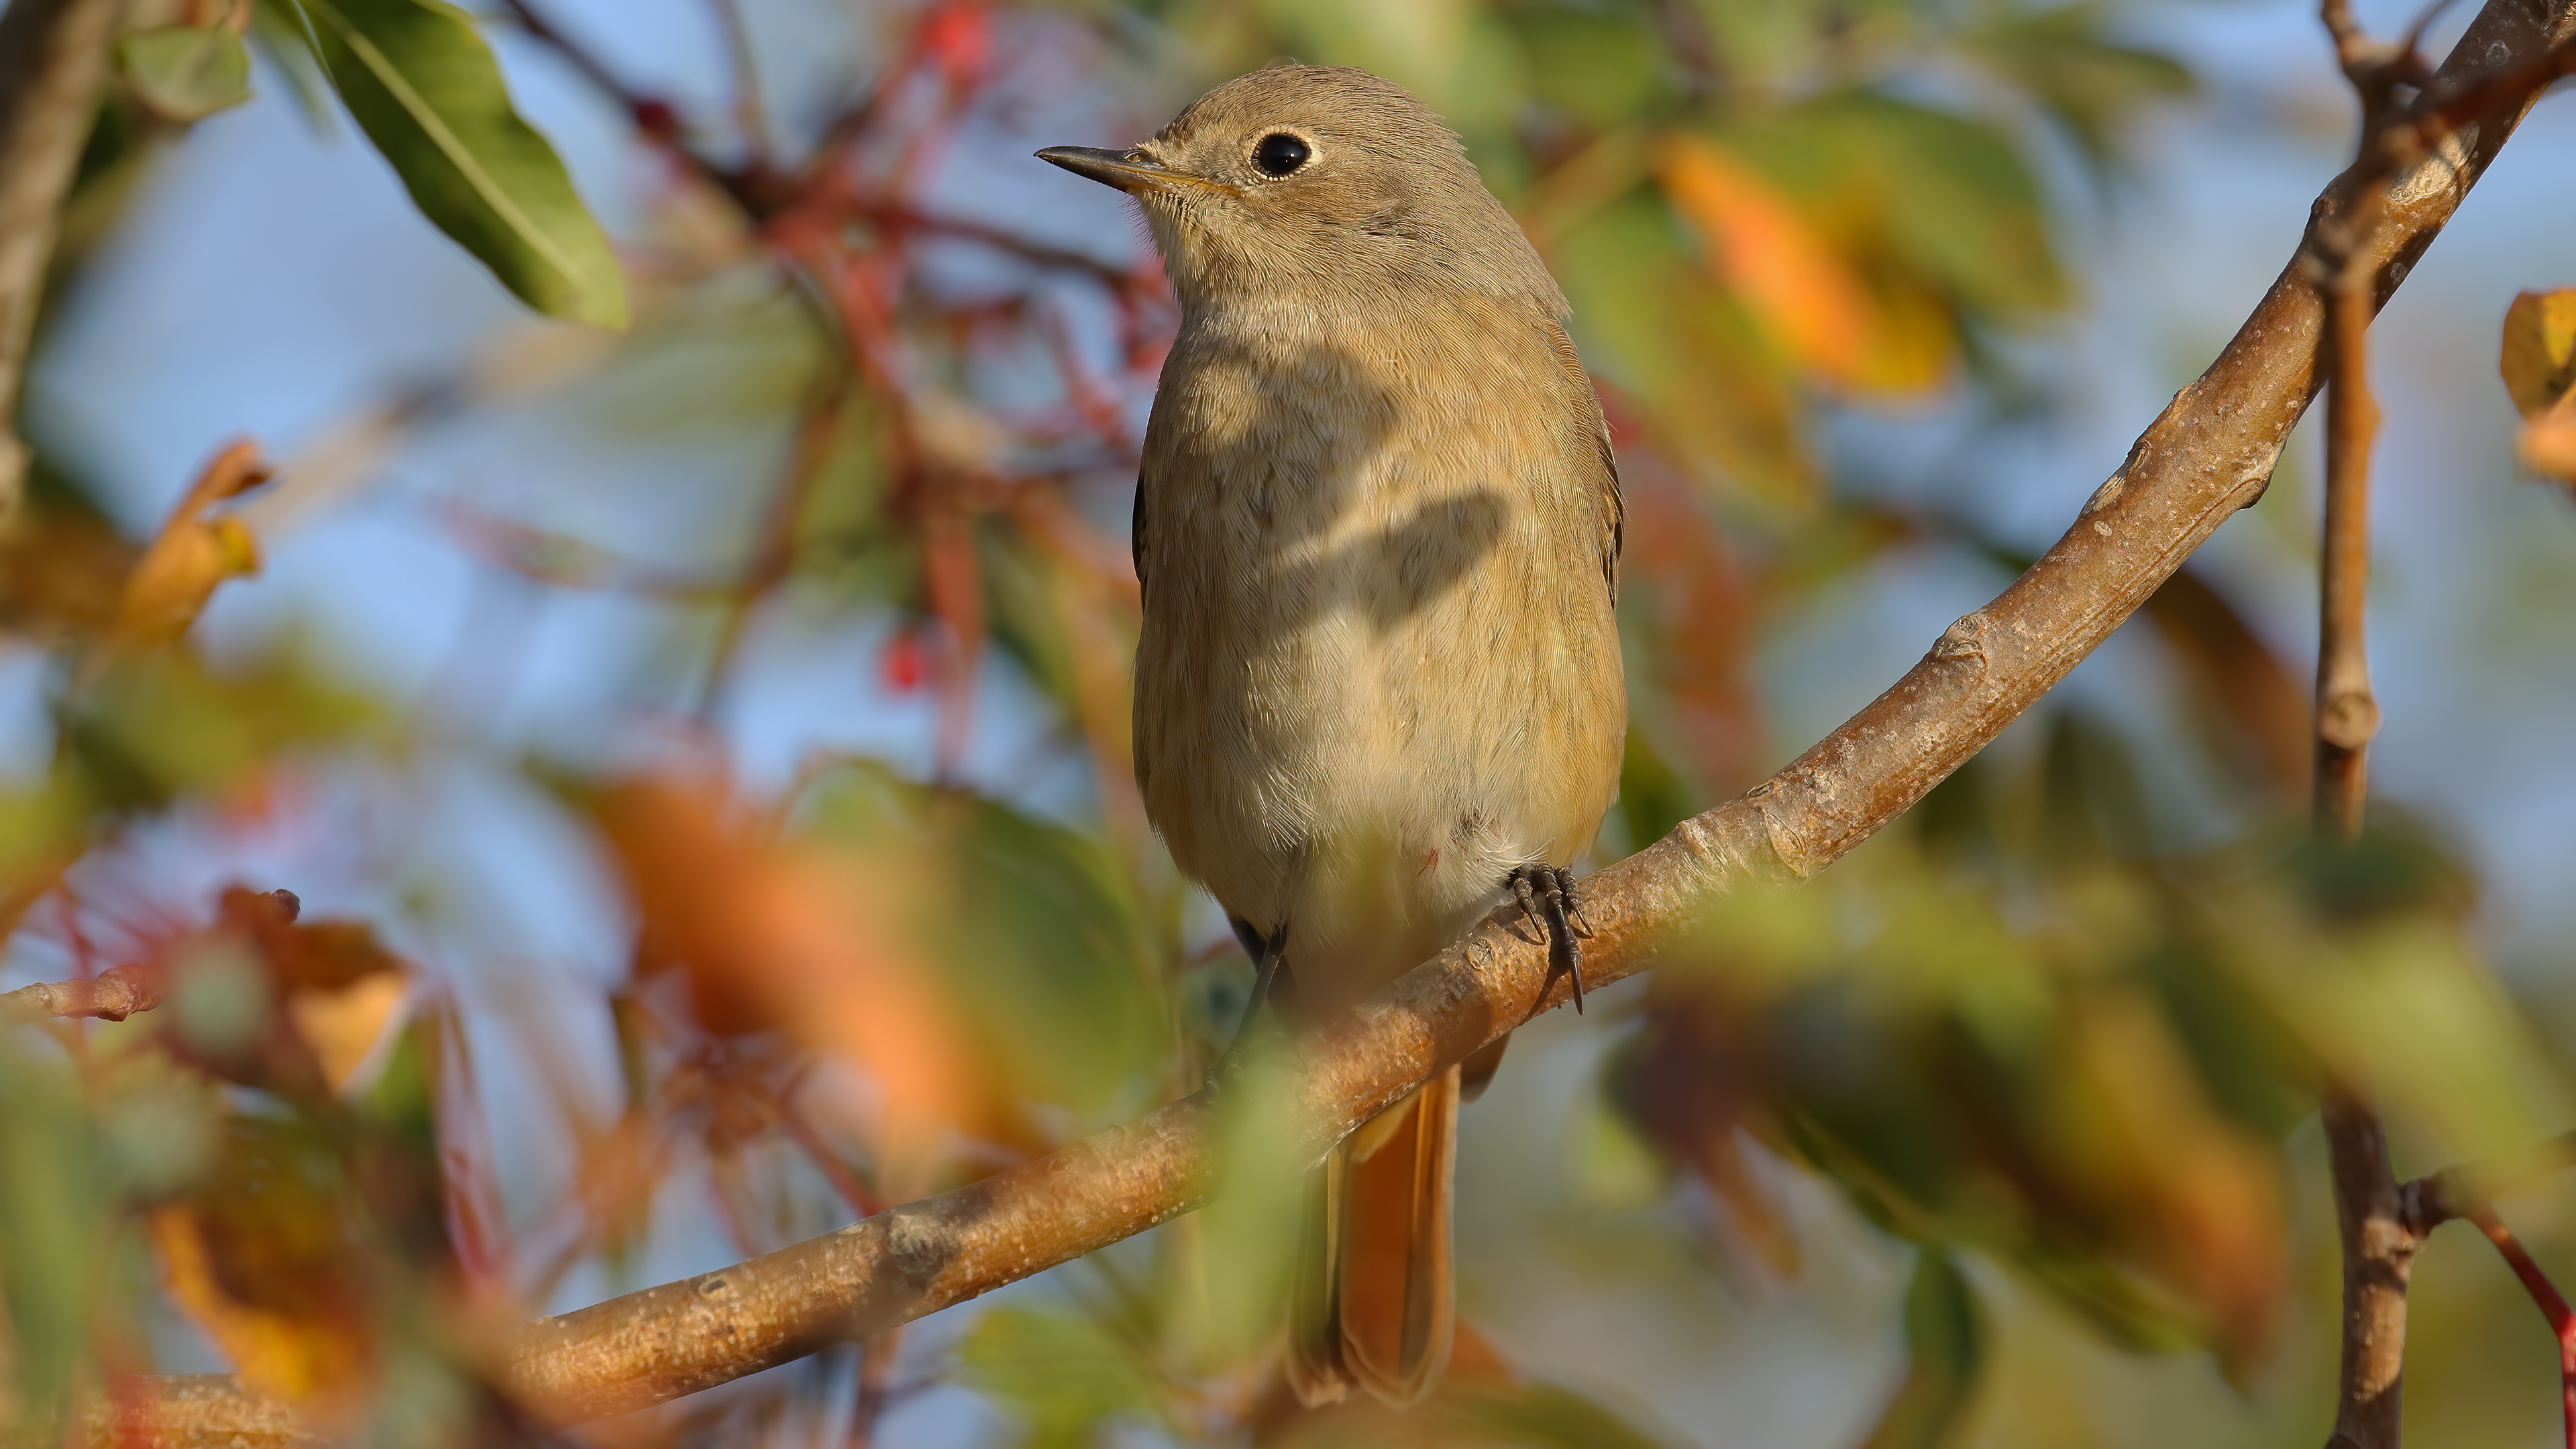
2347, 713
2454, 1192
53, 55
753, 187
773, 553
2553, 1307
2378, 1249
750, 107
878, 1358
2483, 83
900, 218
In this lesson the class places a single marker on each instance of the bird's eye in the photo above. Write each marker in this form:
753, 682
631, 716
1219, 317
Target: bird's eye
1280, 153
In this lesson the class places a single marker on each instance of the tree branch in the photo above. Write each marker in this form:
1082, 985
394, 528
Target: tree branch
2378, 1250
2378, 1256
110, 996
2209, 454
2398, 143
2553, 1306
193, 1411
53, 54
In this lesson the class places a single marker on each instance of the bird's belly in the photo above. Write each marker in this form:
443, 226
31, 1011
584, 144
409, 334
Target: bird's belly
1362, 745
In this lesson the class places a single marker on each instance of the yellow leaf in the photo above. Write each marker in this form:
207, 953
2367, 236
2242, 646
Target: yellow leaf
179, 572
297, 1348
2539, 363
1819, 309
343, 1026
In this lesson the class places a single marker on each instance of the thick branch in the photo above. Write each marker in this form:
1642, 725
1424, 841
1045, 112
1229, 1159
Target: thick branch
2209, 454
2378, 1257
194, 1411
53, 54
110, 996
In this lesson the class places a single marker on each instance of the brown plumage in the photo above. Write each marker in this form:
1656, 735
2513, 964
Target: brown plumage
1378, 529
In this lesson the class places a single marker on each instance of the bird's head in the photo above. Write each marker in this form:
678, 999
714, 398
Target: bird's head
1300, 181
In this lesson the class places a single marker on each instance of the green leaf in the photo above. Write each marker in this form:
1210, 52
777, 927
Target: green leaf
157, 726
1059, 1374
1653, 796
186, 72
280, 40
1945, 199
1946, 1337
425, 89
57, 1200
1600, 69
1541, 1416
2064, 59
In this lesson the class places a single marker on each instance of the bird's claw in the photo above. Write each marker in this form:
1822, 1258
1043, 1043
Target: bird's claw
1268, 971
1547, 896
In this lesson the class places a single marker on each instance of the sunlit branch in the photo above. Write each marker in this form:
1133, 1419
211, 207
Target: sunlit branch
109, 996
53, 56
2378, 1250
2208, 455
2379, 1239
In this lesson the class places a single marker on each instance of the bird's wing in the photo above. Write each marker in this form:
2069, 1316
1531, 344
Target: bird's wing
1136, 534
1612, 511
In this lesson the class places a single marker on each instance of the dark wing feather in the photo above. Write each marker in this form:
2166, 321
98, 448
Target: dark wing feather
1613, 510
1136, 535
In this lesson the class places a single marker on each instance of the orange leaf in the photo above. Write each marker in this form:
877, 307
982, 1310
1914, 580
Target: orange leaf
179, 571
2206, 1193
284, 1320
2548, 444
343, 1026
2539, 356
797, 937
312, 955
1819, 310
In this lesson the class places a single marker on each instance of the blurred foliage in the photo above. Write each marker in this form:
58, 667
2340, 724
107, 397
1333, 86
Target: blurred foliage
186, 72
2052, 1031
424, 87
1944, 1341
2539, 367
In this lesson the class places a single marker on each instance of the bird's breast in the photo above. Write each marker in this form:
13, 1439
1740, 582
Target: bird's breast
1379, 665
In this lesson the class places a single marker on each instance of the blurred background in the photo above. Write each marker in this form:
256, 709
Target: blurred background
698, 753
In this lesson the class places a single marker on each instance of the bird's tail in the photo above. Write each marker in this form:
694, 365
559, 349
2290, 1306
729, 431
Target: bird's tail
1373, 1304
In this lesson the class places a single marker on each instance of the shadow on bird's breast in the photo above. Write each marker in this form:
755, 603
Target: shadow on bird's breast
1352, 492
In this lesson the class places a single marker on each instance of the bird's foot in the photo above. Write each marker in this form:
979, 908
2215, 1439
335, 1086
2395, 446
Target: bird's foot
1269, 977
1548, 897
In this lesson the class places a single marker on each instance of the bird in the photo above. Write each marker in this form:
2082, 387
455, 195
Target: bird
1378, 689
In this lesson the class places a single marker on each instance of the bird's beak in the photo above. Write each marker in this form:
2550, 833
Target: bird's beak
1129, 171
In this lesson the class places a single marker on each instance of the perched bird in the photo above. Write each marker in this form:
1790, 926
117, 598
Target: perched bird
1378, 689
